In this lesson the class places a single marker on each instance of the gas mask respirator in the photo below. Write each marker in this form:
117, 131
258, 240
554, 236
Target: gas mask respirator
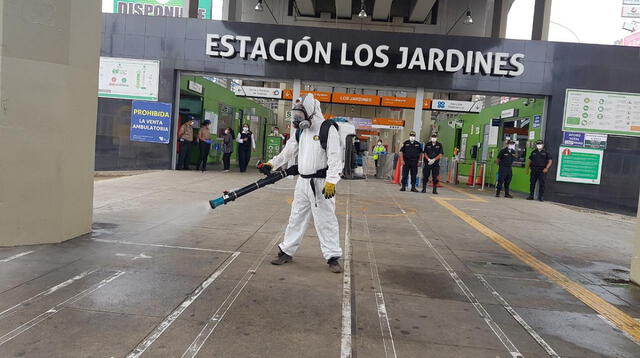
301, 119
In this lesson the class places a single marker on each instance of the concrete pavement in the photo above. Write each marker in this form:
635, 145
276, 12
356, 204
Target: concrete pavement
162, 275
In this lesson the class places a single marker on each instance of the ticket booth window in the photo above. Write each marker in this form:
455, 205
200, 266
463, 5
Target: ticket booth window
518, 131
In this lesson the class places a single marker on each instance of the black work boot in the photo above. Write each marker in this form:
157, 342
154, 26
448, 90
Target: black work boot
497, 193
530, 197
540, 199
424, 189
435, 190
413, 189
507, 195
282, 258
334, 265
404, 188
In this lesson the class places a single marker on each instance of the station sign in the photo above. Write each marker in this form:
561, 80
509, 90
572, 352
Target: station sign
324, 97
195, 87
257, 92
359, 99
387, 123
631, 2
456, 106
402, 58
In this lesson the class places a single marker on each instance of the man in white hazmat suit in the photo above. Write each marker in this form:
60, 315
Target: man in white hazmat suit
320, 171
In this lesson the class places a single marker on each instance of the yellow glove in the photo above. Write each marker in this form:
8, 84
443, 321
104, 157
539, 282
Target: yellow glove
329, 190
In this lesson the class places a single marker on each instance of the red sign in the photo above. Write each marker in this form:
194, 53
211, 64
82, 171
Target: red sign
632, 40
566, 151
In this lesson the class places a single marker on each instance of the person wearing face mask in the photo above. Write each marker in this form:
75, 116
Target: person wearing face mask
227, 149
410, 153
539, 163
505, 160
186, 138
315, 189
246, 143
204, 137
276, 133
432, 153
377, 150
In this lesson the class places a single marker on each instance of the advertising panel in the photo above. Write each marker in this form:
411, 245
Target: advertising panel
150, 122
126, 78
602, 112
170, 8
579, 165
400, 102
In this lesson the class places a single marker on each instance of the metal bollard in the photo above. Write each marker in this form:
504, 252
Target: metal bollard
484, 172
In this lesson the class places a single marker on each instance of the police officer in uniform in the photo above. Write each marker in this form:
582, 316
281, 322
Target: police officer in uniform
410, 153
539, 163
505, 160
433, 151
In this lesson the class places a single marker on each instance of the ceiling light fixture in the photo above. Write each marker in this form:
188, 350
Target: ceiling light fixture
363, 12
468, 20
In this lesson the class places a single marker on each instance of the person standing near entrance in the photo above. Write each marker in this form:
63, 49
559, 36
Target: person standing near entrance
505, 160
246, 143
185, 138
377, 150
433, 152
410, 153
539, 163
204, 138
227, 149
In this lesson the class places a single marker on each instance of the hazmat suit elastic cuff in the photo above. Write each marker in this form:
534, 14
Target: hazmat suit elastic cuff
332, 180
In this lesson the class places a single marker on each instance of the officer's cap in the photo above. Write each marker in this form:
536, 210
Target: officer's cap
412, 133
539, 141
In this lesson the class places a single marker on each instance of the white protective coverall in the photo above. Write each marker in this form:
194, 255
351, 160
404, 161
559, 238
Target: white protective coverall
312, 158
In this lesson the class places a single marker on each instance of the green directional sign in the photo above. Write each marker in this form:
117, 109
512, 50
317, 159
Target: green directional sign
274, 146
579, 165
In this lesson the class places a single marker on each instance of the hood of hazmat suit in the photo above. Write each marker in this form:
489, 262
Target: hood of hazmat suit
311, 156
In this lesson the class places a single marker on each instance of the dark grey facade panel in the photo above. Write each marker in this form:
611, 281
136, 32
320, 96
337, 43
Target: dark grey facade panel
550, 68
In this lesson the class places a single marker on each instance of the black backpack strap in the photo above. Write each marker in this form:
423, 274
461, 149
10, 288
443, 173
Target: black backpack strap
324, 132
298, 133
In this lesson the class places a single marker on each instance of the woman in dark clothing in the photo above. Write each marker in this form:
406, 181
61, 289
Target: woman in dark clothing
204, 137
227, 148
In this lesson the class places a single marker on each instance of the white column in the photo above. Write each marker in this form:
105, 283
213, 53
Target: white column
635, 259
296, 89
417, 114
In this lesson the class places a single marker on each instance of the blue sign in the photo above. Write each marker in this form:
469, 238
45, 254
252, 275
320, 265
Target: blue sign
441, 104
150, 122
573, 139
536, 121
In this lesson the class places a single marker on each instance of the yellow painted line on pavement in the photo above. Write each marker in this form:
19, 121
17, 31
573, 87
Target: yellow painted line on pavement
620, 319
464, 192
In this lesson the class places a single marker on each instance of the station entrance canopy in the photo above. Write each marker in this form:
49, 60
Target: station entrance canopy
442, 63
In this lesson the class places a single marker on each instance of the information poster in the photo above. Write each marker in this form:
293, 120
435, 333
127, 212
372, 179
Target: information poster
274, 146
574, 139
579, 165
602, 112
126, 78
150, 122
